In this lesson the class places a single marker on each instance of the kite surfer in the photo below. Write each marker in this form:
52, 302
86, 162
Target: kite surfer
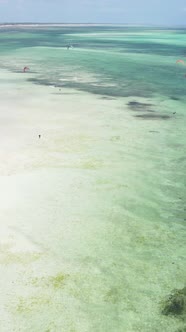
180, 61
25, 69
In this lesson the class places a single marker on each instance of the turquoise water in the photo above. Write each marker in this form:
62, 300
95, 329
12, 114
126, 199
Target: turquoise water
140, 62
113, 232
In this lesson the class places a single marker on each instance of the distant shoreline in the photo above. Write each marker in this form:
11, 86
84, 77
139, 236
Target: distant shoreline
33, 25
61, 24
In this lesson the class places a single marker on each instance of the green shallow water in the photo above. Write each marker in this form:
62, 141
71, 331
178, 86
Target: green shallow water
138, 61
112, 235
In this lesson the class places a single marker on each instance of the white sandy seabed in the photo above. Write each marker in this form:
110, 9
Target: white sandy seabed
90, 234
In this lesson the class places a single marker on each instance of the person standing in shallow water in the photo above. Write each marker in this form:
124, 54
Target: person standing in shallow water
39, 136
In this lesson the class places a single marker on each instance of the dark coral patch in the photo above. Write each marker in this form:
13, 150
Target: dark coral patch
175, 304
174, 98
148, 116
137, 106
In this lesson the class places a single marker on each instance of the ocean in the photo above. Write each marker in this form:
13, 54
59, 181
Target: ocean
92, 210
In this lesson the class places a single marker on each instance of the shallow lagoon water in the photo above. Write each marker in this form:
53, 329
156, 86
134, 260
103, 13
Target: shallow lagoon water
92, 214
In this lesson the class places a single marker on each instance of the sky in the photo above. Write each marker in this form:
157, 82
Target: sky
157, 12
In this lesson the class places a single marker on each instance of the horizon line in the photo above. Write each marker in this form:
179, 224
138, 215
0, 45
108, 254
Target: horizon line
92, 23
